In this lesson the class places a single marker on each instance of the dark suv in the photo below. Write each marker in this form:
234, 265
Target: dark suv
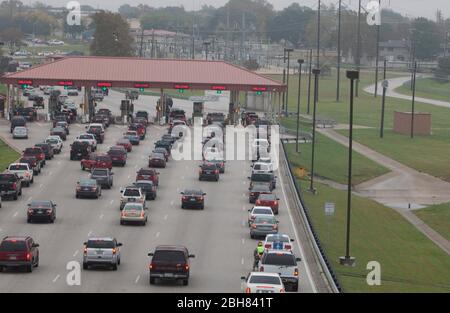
79, 150
170, 263
36, 152
17, 121
19, 252
208, 171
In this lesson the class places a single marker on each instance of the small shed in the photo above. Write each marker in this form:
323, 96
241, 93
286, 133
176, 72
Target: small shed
422, 123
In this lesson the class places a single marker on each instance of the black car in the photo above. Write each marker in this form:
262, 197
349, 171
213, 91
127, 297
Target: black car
170, 263
79, 150
41, 211
208, 171
256, 190
18, 121
169, 138
264, 177
59, 131
10, 185
29, 113
118, 155
48, 150
88, 188
103, 176
164, 144
64, 125
108, 113
163, 151
192, 198
142, 114
220, 164
148, 188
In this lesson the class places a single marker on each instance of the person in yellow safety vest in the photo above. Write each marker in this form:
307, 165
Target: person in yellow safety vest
258, 254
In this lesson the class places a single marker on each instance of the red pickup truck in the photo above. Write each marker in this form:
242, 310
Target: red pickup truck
148, 174
36, 152
96, 160
19, 252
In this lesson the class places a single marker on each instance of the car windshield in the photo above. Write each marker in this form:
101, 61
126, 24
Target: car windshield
132, 193
41, 204
194, 192
264, 220
100, 172
209, 167
169, 256
146, 172
33, 151
52, 141
133, 207
148, 185
259, 279
95, 128
267, 197
100, 244
262, 211
18, 167
7, 177
88, 182
279, 259
115, 152
13, 245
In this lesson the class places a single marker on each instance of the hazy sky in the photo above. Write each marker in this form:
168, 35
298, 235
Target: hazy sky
411, 8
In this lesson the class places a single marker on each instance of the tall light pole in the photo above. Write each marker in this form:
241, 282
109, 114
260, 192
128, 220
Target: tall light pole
339, 53
383, 101
300, 63
284, 79
413, 99
358, 48
347, 260
318, 49
316, 73
287, 80
308, 110
377, 54
206, 44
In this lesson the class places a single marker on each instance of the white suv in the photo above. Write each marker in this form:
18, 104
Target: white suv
131, 195
24, 172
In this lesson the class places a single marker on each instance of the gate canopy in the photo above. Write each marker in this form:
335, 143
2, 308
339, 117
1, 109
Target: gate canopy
95, 71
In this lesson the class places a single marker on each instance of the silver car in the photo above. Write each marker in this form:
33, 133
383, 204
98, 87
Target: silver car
101, 251
134, 213
263, 226
20, 132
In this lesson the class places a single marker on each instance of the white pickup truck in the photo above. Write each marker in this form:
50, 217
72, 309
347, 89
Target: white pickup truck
281, 262
24, 172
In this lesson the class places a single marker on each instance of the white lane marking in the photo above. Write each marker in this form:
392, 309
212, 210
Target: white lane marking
172, 202
178, 189
243, 241
244, 195
101, 216
244, 223
157, 234
75, 253
129, 176
166, 217
29, 199
242, 261
90, 233
244, 182
112, 201
51, 173
244, 208
15, 214
302, 254
59, 162
41, 185
137, 279
56, 278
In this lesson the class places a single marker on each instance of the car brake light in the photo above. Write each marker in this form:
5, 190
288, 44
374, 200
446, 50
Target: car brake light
85, 251
275, 203
296, 272
289, 247
114, 251
185, 198
261, 268
151, 266
282, 290
247, 290
142, 214
186, 267
49, 211
275, 227
42, 156
252, 194
14, 186
30, 211
28, 256
254, 226
216, 172
258, 202
268, 246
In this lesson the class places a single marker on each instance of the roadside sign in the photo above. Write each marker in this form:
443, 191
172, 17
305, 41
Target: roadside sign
330, 208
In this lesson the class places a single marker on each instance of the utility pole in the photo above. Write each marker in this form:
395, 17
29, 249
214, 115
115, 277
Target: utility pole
142, 43
316, 73
287, 80
318, 51
358, 48
300, 63
284, 77
228, 33
242, 53
446, 44
206, 44
309, 81
377, 54
413, 99
383, 101
339, 53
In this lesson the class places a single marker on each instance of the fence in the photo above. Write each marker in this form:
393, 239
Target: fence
304, 212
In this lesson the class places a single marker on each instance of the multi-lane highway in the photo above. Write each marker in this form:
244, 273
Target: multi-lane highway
218, 236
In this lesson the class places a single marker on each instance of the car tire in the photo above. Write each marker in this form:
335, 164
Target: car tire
29, 268
152, 281
77, 196
29, 221
85, 266
295, 288
20, 192
15, 197
252, 236
202, 207
185, 282
114, 267
82, 167
122, 223
1, 269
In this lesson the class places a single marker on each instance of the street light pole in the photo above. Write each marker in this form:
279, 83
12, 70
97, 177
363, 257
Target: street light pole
309, 82
413, 99
358, 47
383, 101
287, 80
339, 53
206, 44
377, 55
300, 63
316, 73
347, 260
318, 49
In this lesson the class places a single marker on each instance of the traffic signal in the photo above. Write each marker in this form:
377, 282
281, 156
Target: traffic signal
24, 86
181, 90
219, 92
259, 93
141, 89
104, 89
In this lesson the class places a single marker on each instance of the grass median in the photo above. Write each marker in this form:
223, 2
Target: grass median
409, 261
7, 155
428, 88
437, 217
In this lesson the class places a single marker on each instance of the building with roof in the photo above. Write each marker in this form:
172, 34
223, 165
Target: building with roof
395, 50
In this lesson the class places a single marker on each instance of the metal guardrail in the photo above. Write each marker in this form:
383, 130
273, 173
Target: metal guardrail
330, 276
305, 136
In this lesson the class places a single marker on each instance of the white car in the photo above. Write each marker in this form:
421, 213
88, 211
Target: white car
20, 132
55, 142
262, 167
278, 242
90, 139
55, 42
258, 282
24, 172
258, 211
131, 195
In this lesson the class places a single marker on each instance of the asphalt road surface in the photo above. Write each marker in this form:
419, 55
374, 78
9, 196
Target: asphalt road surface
218, 236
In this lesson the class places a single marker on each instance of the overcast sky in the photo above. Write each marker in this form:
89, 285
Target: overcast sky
412, 8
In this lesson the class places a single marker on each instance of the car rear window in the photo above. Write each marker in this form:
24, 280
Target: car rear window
100, 172
277, 239
264, 220
258, 279
9, 245
261, 177
33, 151
146, 172
115, 152
266, 197
103, 158
18, 167
169, 256
262, 211
279, 259
210, 167
148, 185
132, 193
8, 177
100, 244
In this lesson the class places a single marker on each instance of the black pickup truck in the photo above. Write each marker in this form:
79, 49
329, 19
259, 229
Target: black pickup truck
10, 186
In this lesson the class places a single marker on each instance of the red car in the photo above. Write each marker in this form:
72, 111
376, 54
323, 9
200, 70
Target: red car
148, 174
157, 160
126, 144
269, 200
36, 152
96, 161
19, 252
139, 128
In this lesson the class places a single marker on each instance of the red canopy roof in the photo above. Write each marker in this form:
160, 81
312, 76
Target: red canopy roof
156, 73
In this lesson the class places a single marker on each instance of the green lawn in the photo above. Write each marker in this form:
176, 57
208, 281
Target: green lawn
66, 48
409, 261
437, 217
7, 155
429, 88
423, 153
332, 159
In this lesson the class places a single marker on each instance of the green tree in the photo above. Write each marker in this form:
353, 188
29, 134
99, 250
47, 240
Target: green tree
425, 38
443, 70
112, 35
128, 11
